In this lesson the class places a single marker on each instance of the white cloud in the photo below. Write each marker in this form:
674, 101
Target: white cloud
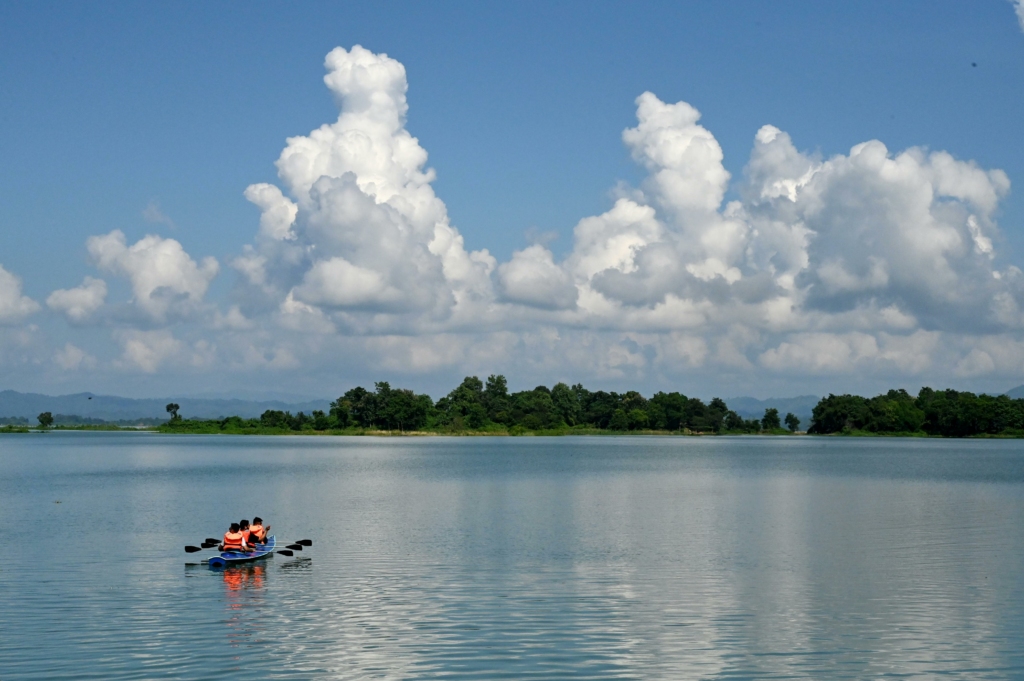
14, 306
864, 263
147, 350
339, 283
79, 303
821, 265
363, 232
821, 352
975, 363
277, 212
233, 319
163, 277
1019, 7
533, 279
71, 358
831, 353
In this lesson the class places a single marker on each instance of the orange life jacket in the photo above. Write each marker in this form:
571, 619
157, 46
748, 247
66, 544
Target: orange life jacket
233, 540
258, 531
245, 534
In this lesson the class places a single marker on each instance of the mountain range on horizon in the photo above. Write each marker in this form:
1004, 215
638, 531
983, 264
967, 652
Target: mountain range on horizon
14, 404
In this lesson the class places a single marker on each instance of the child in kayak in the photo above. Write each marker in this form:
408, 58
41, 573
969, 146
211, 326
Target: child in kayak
257, 531
234, 540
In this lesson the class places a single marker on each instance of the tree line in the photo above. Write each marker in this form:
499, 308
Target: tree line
489, 406
946, 413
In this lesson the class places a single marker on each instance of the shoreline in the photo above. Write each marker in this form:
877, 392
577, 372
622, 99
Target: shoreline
580, 432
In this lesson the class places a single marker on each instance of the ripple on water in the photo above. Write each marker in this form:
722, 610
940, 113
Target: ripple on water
543, 559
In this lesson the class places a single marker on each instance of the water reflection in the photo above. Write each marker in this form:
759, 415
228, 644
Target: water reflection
247, 578
652, 558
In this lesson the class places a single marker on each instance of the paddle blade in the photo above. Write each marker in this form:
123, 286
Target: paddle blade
211, 540
305, 542
208, 545
286, 553
295, 547
192, 549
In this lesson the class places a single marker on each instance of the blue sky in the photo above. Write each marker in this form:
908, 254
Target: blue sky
154, 121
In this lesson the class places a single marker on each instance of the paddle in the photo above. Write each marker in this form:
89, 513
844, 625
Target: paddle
210, 543
204, 545
284, 552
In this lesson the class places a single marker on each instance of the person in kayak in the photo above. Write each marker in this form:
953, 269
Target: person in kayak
234, 540
257, 531
243, 526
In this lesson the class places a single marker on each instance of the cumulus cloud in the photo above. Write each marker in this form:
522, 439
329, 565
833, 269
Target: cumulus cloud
71, 358
81, 302
822, 263
14, 306
164, 278
867, 261
361, 235
1019, 7
532, 278
147, 350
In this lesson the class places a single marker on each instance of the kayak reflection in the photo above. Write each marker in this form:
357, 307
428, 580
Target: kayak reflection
244, 578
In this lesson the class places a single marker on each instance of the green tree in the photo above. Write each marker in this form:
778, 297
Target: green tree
496, 399
637, 419
273, 418
770, 420
45, 419
567, 403
667, 411
362, 406
792, 422
465, 406
619, 420
599, 407
733, 421
715, 415
172, 409
340, 413
837, 413
535, 410
320, 420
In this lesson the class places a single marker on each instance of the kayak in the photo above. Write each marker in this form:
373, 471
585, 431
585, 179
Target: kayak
227, 558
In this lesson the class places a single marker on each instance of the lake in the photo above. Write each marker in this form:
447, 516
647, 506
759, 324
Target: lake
514, 558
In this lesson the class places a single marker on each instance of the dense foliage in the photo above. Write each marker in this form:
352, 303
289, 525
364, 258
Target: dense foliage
946, 413
481, 406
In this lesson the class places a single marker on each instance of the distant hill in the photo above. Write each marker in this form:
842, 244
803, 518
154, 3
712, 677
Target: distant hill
110, 408
1016, 393
752, 408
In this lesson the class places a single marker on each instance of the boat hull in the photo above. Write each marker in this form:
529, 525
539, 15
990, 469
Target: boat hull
229, 558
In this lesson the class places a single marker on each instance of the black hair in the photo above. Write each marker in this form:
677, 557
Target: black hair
257, 519
234, 527
243, 523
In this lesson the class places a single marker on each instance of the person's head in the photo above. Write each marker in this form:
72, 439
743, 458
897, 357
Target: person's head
257, 520
235, 527
244, 524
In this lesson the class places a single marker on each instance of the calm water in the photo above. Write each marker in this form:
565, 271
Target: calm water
515, 558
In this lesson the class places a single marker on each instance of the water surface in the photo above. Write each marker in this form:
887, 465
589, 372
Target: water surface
514, 558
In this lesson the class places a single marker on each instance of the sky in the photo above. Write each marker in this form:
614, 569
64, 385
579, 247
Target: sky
722, 198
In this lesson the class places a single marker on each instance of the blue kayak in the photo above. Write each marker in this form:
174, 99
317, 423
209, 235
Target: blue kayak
227, 558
